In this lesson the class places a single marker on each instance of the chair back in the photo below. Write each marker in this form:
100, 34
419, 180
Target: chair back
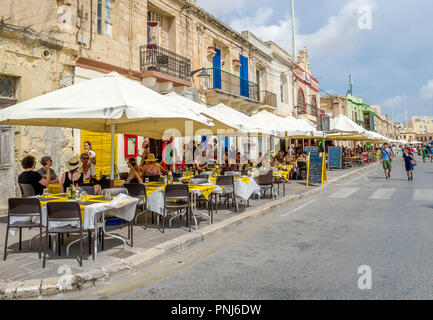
88, 189
199, 181
24, 207
266, 179
63, 211
176, 191
27, 190
124, 175
225, 181
115, 191
136, 190
200, 176
154, 178
244, 172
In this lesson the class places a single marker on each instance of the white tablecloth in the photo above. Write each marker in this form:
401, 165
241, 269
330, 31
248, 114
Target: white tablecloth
155, 201
244, 190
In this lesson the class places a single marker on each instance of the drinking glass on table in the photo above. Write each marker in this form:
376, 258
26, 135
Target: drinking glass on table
83, 196
45, 193
108, 196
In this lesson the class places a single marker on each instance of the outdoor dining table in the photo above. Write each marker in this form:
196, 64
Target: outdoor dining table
155, 196
93, 212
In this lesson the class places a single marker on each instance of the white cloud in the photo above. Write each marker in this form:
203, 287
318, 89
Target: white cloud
393, 103
426, 91
222, 7
337, 36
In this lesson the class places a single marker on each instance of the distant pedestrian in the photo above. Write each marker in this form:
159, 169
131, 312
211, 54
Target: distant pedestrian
424, 153
408, 161
386, 157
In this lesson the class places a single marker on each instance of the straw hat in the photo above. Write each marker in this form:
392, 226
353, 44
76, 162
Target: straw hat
150, 158
73, 163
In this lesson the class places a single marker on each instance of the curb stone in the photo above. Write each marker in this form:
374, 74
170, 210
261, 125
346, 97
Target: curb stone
98, 276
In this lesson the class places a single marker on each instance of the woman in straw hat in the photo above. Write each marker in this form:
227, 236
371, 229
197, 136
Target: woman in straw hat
74, 176
150, 168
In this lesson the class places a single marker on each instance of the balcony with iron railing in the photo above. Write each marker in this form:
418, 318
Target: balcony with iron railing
224, 83
301, 110
158, 61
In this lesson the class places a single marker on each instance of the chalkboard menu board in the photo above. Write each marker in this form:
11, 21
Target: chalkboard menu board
335, 158
312, 150
315, 169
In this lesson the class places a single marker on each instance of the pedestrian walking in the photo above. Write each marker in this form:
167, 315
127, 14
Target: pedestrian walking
409, 162
386, 157
424, 153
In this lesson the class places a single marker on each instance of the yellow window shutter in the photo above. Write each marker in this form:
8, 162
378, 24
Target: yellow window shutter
101, 145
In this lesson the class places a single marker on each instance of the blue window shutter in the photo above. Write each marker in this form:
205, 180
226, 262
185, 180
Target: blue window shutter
217, 69
245, 86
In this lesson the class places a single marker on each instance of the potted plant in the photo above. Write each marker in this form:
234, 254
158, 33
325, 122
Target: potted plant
236, 63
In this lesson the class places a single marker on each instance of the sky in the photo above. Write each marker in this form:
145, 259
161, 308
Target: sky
386, 45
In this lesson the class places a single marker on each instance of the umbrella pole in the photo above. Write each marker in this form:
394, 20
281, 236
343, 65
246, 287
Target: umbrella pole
113, 130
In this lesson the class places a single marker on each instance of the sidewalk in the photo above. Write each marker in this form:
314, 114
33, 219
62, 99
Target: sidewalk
22, 275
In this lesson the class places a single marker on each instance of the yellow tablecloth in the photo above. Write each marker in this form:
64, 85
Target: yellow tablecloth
61, 197
205, 190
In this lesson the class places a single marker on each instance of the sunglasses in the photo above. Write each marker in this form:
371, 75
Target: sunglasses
85, 158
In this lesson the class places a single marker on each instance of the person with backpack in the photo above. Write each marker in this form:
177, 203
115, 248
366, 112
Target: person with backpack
386, 156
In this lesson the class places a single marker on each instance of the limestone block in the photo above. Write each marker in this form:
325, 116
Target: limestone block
29, 288
50, 286
10, 289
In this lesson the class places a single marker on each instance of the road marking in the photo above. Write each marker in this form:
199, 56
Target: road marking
298, 208
186, 264
382, 194
343, 193
248, 231
359, 177
423, 195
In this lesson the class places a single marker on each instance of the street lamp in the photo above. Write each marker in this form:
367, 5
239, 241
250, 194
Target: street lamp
203, 73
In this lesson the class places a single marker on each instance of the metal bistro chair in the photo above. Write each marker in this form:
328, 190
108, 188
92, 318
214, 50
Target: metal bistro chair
26, 190
154, 178
138, 190
283, 181
176, 197
64, 212
266, 182
229, 189
115, 192
22, 207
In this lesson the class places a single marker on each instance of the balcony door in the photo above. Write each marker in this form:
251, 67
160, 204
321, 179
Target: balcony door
245, 88
217, 69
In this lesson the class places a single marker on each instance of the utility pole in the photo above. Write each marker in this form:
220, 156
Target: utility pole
293, 53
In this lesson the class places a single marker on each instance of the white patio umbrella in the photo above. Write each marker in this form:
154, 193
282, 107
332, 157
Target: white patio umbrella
111, 103
200, 109
307, 129
274, 124
236, 119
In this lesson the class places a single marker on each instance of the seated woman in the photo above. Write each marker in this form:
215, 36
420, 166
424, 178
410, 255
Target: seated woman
134, 173
150, 169
198, 160
74, 176
47, 163
28, 176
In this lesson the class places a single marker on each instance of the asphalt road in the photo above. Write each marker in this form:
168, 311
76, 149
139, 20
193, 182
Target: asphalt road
311, 249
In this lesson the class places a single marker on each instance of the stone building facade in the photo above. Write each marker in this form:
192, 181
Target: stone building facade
420, 125
46, 45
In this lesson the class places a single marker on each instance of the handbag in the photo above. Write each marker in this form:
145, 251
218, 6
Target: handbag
413, 162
